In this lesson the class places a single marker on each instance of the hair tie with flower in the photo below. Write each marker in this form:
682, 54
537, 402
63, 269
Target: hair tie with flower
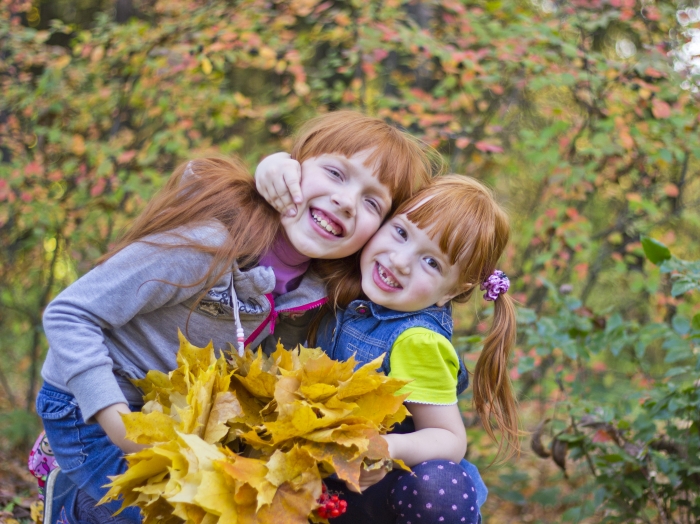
495, 285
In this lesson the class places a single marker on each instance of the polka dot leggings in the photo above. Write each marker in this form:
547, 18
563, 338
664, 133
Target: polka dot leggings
438, 491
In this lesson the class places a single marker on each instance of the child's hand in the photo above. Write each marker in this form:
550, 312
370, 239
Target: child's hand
111, 421
369, 478
277, 179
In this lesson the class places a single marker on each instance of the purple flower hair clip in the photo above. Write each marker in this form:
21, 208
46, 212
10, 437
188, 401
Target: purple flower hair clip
496, 284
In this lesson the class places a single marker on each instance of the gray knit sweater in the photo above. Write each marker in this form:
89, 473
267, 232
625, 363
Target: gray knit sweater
121, 319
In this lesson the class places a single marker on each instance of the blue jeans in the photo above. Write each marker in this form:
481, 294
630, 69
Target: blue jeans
85, 454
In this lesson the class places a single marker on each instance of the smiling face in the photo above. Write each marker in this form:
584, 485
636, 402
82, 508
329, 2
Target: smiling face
344, 205
404, 269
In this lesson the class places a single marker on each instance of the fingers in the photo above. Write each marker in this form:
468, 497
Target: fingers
292, 178
278, 180
288, 189
352, 488
264, 186
369, 478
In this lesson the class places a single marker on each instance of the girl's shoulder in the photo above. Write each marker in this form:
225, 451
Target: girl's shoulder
207, 234
430, 361
423, 337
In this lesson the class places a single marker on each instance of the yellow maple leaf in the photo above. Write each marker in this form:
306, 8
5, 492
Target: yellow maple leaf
149, 428
224, 408
142, 466
289, 506
214, 496
295, 466
363, 380
258, 381
282, 358
253, 489
324, 370
156, 386
249, 440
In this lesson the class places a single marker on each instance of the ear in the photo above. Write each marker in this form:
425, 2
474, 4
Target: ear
449, 296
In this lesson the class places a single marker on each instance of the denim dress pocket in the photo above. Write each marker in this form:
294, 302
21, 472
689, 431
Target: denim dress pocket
62, 420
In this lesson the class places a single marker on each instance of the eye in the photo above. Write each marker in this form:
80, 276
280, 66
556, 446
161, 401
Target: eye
375, 205
432, 263
401, 232
334, 172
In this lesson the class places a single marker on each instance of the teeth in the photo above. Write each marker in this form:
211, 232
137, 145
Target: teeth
325, 224
386, 278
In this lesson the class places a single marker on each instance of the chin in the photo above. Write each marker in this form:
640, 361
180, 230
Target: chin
310, 251
377, 296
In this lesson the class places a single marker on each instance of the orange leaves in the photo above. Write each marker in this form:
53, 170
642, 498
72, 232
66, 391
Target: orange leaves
660, 109
671, 190
488, 147
33, 169
602, 436
126, 156
250, 440
98, 187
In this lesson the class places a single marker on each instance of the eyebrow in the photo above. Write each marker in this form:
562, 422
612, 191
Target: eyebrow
438, 253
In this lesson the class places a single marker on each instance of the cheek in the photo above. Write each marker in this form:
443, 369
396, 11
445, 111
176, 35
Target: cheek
368, 226
425, 285
294, 226
311, 185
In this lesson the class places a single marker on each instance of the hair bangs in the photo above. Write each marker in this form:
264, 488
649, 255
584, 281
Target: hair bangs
472, 228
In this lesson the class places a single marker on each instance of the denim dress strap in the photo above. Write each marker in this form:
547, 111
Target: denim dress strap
366, 330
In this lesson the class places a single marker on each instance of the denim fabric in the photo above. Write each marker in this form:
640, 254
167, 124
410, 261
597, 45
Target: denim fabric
85, 454
367, 330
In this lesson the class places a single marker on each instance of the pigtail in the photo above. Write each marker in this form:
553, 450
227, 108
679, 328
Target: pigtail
493, 391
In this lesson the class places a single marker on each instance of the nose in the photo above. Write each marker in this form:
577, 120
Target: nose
346, 202
401, 262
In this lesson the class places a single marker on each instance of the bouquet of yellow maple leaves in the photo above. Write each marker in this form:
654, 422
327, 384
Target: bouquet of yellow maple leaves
249, 440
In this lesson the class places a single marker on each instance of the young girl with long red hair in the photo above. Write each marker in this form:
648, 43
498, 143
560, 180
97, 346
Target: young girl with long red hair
206, 250
441, 246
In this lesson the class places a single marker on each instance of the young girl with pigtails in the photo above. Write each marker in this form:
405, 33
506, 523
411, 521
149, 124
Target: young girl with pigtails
440, 246
206, 250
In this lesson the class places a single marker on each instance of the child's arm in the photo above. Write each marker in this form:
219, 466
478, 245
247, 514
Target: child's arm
439, 434
111, 421
277, 180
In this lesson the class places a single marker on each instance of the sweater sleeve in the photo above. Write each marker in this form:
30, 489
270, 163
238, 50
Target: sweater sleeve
431, 363
139, 279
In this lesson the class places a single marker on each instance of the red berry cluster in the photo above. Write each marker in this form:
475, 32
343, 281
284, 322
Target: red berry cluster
331, 505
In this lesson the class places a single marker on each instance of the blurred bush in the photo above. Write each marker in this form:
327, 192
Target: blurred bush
582, 115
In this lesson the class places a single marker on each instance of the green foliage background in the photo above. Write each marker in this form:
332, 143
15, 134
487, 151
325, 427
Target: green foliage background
572, 111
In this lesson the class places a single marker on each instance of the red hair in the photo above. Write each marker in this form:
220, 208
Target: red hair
222, 190
472, 229
404, 163
214, 189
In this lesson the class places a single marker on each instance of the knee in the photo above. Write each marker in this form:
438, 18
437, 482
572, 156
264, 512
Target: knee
446, 474
437, 489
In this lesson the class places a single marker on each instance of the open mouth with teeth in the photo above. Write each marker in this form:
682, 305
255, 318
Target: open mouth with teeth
327, 223
386, 277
